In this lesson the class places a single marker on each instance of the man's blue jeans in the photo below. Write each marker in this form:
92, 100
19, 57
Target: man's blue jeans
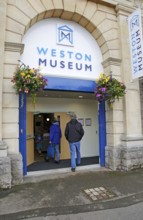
75, 153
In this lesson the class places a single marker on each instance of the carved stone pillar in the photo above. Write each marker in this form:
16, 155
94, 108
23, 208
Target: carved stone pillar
131, 148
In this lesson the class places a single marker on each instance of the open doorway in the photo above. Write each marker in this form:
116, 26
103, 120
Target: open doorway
90, 141
38, 143
42, 123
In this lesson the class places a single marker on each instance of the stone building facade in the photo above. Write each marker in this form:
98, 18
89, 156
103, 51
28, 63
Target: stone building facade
106, 21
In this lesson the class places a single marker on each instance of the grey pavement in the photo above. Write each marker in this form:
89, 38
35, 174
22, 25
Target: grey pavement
133, 212
63, 193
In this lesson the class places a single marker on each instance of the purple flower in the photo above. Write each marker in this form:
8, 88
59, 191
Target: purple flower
98, 95
103, 89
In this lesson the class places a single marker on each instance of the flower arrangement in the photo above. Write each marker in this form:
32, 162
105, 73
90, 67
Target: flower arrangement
27, 80
108, 89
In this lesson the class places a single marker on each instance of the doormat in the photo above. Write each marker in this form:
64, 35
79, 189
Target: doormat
99, 193
43, 165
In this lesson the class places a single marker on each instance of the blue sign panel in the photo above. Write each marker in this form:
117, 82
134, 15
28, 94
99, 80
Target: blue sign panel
65, 84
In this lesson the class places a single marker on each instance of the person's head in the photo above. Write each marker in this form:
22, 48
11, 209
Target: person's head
54, 120
73, 116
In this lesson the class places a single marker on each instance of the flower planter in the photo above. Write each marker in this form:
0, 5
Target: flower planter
28, 80
109, 89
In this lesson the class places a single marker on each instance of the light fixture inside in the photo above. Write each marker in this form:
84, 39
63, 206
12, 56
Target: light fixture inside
80, 96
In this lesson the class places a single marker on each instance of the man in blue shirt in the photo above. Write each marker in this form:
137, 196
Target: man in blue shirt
55, 136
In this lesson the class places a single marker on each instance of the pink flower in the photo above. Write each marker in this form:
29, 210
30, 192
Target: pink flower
28, 80
26, 90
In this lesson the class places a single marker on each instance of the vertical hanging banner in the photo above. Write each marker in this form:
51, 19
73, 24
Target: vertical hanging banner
136, 44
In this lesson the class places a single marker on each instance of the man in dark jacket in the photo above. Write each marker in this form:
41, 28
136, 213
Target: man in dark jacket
74, 133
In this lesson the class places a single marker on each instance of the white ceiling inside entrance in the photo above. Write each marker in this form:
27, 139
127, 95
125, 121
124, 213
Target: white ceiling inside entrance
65, 94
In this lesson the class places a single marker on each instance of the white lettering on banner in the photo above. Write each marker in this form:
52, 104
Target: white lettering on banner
136, 47
64, 54
62, 64
68, 55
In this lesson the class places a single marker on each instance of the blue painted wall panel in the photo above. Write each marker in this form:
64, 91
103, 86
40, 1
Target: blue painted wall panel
22, 130
102, 132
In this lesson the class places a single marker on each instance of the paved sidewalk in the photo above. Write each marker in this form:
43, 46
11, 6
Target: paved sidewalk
64, 192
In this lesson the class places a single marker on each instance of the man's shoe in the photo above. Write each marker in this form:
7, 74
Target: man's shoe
73, 169
56, 161
47, 160
78, 164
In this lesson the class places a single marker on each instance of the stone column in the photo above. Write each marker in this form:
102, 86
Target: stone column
5, 163
10, 166
114, 119
3, 4
132, 140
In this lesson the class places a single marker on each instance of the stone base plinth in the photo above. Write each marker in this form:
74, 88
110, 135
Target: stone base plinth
126, 157
11, 170
131, 158
5, 172
16, 168
3, 149
112, 157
